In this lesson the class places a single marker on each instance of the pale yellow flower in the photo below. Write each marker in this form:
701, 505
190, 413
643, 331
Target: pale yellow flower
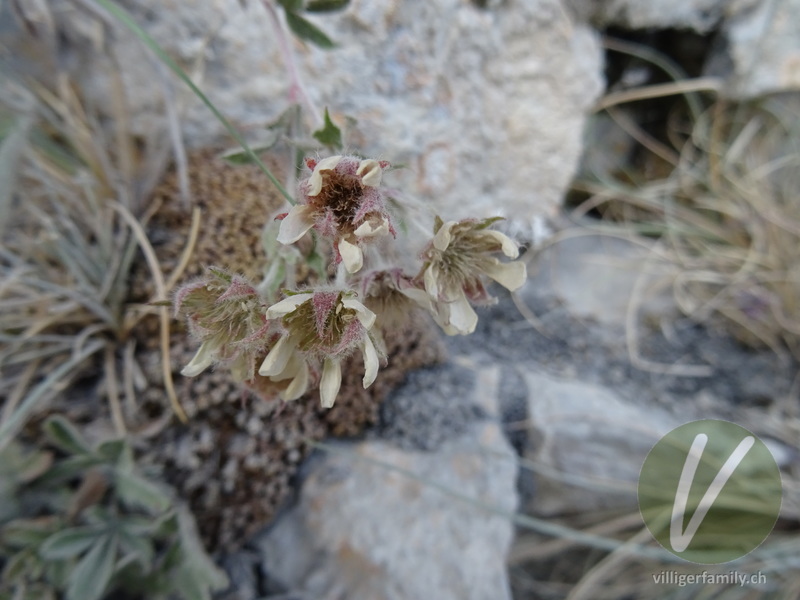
457, 258
341, 200
325, 325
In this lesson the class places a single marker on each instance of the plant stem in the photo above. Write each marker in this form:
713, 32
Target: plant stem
121, 15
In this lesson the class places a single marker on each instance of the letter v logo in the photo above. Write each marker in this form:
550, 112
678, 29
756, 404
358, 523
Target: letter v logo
679, 539
710, 491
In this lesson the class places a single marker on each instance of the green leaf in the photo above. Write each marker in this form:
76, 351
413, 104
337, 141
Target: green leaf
34, 465
21, 533
489, 222
195, 559
275, 131
92, 575
291, 5
317, 263
67, 469
139, 546
330, 135
307, 31
326, 5
240, 157
138, 492
117, 453
65, 436
69, 543
19, 565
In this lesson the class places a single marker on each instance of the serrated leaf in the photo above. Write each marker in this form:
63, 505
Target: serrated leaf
69, 543
92, 574
137, 492
326, 5
330, 135
65, 436
306, 30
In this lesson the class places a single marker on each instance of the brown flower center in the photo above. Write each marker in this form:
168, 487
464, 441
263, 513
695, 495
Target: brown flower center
341, 194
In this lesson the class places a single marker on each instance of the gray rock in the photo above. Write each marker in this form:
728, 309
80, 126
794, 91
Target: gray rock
411, 421
484, 105
762, 50
700, 15
588, 445
604, 278
363, 530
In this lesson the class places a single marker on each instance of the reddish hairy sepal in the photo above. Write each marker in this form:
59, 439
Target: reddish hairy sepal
324, 303
185, 291
239, 289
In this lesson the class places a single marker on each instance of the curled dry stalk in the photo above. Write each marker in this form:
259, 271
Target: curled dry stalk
70, 239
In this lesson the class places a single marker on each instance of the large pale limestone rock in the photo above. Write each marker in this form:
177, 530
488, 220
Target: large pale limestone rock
364, 531
699, 15
762, 48
484, 106
588, 444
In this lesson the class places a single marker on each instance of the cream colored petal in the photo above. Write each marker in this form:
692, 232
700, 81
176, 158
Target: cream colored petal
331, 382
370, 362
296, 224
443, 237
509, 246
511, 275
291, 369
275, 362
200, 362
370, 172
363, 314
352, 256
287, 305
299, 384
419, 296
372, 228
431, 280
315, 181
462, 317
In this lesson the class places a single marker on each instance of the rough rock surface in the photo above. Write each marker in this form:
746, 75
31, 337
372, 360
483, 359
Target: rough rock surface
700, 15
612, 434
363, 530
762, 52
477, 102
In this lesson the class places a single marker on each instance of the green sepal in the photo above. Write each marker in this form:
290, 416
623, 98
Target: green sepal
326, 5
306, 30
330, 135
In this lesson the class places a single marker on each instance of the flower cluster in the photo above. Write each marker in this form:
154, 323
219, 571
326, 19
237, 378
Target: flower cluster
285, 348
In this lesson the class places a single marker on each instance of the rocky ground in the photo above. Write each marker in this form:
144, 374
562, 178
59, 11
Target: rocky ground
421, 504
